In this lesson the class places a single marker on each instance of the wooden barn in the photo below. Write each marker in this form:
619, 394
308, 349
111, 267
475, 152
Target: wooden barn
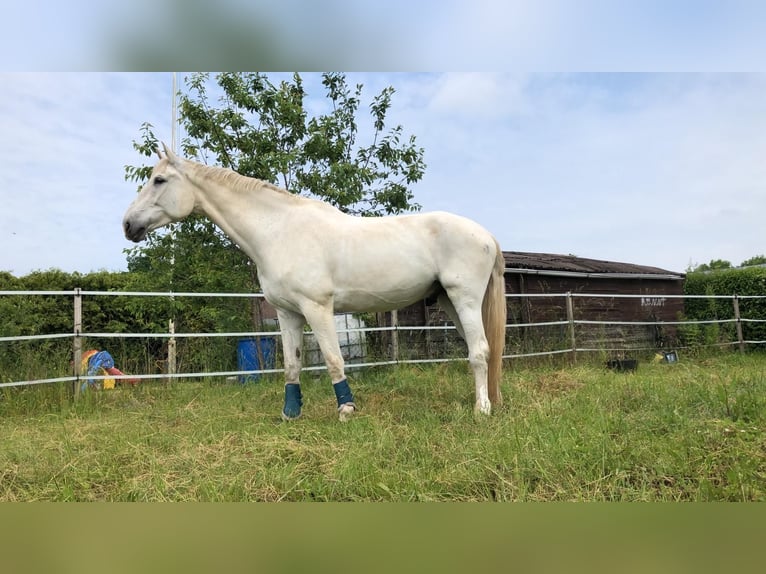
534, 274
530, 276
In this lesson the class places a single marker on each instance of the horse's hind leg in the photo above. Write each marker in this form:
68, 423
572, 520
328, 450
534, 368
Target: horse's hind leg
322, 323
447, 306
465, 311
291, 325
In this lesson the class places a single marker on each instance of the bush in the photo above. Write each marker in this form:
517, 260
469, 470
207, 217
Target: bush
23, 315
743, 282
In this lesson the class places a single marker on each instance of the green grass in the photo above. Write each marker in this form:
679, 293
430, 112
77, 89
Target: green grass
693, 431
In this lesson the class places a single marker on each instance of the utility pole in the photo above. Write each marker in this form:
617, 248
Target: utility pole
171, 364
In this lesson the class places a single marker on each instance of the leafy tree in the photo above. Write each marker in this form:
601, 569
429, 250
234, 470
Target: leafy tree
756, 260
263, 130
714, 265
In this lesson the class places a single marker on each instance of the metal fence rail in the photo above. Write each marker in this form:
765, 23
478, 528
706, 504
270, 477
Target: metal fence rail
77, 334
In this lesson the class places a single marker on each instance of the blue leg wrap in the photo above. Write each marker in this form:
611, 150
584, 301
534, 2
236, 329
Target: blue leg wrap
343, 393
293, 401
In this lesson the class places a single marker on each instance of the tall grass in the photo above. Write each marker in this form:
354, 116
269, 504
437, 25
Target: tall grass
688, 431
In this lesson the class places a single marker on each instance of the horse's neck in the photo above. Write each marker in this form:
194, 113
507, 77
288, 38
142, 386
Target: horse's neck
244, 212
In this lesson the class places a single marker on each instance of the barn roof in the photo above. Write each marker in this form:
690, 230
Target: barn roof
570, 265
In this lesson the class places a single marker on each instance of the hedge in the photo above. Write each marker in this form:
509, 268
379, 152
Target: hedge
742, 282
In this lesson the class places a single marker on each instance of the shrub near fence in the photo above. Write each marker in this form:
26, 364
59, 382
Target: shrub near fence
111, 307
33, 357
749, 285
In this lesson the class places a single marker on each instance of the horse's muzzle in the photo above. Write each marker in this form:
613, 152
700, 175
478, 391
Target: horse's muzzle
134, 232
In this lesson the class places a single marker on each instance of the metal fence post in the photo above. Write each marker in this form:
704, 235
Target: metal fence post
171, 350
570, 319
738, 319
395, 335
77, 342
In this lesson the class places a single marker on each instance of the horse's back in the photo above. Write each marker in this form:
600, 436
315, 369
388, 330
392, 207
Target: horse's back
390, 262
428, 240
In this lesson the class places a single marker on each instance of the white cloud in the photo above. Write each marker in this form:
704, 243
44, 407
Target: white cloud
478, 96
65, 141
611, 167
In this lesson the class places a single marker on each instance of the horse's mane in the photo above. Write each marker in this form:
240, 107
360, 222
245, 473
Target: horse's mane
233, 180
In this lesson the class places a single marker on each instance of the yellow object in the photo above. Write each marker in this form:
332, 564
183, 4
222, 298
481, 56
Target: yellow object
85, 358
108, 383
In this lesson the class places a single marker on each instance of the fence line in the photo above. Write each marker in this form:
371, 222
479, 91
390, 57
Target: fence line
36, 337
171, 294
640, 323
77, 335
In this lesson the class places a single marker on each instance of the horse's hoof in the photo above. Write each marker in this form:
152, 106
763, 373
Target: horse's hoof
346, 411
287, 418
482, 410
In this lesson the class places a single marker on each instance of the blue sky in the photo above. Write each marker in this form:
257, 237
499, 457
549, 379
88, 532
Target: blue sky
655, 169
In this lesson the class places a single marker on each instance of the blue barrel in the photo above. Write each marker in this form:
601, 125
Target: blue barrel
247, 356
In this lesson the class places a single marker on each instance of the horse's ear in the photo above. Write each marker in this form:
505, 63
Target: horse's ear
172, 157
159, 155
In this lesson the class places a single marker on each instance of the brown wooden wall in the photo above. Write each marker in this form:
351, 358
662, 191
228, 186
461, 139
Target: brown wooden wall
652, 306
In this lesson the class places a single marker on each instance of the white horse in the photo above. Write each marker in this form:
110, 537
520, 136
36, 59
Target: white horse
314, 260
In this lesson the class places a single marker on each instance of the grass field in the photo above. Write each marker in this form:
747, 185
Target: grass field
691, 431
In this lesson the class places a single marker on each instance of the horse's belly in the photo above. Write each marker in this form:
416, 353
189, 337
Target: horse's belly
382, 299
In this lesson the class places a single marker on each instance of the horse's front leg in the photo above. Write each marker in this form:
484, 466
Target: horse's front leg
322, 323
291, 325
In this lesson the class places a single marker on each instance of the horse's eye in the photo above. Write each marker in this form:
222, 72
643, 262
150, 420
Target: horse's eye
159, 180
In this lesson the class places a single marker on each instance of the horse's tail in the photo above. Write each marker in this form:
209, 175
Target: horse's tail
494, 313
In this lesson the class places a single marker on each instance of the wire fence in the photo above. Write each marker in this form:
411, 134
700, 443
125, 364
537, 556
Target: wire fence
396, 343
